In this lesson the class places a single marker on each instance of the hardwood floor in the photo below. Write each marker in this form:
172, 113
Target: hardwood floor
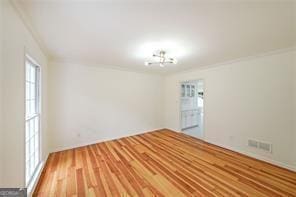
160, 163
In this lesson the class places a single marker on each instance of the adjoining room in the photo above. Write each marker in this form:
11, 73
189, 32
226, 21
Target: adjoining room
147, 98
192, 111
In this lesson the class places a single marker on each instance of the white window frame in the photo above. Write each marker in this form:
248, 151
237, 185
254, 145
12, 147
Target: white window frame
29, 177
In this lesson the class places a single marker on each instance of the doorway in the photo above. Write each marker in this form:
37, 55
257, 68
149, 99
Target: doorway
192, 108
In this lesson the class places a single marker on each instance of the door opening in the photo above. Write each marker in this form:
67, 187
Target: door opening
192, 108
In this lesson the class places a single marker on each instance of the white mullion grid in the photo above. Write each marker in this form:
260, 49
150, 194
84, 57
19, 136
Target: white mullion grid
32, 140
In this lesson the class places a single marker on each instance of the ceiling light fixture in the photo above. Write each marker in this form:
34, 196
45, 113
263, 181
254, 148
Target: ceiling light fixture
161, 59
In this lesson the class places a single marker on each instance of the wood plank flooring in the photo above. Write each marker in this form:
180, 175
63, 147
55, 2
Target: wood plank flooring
160, 163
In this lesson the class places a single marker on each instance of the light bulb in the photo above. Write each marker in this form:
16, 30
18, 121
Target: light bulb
175, 61
146, 63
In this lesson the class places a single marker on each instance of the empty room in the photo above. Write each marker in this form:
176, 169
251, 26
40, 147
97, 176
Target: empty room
147, 98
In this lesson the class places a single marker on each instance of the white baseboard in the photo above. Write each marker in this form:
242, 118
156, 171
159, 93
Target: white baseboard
256, 156
58, 149
253, 155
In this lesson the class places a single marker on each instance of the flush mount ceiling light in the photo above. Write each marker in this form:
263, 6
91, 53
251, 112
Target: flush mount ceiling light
161, 59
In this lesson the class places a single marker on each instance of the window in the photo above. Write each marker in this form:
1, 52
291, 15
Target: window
188, 90
32, 118
183, 90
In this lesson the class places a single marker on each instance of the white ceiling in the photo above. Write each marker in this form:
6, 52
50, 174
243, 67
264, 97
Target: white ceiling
123, 33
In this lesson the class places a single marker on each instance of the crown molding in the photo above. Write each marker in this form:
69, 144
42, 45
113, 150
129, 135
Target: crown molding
169, 73
242, 59
95, 65
17, 5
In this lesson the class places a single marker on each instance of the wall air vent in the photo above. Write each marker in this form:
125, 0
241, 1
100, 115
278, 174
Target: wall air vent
265, 146
260, 145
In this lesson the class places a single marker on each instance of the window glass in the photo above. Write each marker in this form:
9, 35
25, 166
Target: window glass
32, 87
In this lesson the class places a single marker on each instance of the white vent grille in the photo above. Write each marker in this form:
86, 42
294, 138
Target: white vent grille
260, 145
265, 146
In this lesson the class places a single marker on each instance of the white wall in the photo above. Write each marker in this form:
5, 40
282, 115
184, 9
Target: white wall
90, 104
17, 41
1, 77
247, 99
